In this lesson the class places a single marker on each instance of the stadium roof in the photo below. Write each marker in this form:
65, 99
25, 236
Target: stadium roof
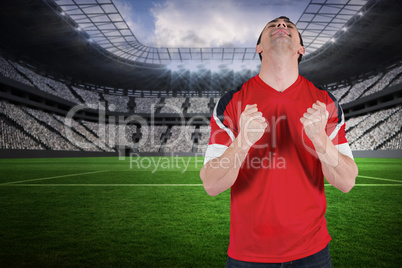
346, 38
104, 24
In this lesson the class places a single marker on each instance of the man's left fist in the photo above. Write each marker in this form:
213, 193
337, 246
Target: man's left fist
315, 120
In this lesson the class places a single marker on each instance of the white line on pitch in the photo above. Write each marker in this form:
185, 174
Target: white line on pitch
380, 179
55, 177
102, 185
149, 185
379, 184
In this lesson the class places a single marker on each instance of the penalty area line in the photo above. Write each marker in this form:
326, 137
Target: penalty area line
151, 185
372, 184
380, 179
55, 177
101, 185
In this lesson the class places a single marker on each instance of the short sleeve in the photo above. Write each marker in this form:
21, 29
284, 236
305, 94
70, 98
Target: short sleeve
223, 127
335, 128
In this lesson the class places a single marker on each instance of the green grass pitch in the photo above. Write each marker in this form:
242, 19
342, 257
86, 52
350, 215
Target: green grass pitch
153, 212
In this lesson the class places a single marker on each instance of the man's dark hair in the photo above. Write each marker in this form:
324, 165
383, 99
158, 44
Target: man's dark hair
284, 18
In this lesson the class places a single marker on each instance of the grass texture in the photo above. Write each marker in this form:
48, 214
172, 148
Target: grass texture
154, 212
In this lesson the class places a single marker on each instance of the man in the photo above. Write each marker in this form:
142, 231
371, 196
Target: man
272, 142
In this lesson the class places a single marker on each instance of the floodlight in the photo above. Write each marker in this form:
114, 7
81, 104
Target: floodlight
175, 66
213, 66
237, 66
192, 66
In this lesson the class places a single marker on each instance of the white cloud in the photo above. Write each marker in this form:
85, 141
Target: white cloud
206, 23
212, 23
133, 19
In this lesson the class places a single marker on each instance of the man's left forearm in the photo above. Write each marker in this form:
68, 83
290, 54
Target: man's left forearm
339, 170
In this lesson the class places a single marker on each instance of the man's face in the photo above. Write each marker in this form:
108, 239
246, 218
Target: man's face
280, 33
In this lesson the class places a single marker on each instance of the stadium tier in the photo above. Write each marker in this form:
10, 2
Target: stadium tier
367, 86
49, 106
37, 129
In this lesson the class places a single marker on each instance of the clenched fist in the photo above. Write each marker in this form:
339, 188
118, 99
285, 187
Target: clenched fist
252, 126
314, 122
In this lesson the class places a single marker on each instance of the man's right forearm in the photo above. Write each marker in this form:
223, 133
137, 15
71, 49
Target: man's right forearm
220, 173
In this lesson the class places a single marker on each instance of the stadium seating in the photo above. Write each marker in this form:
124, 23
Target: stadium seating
199, 105
180, 139
203, 141
394, 143
369, 85
7, 70
384, 81
47, 84
173, 105
30, 128
90, 98
357, 90
117, 103
35, 129
151, 140
375, 129
39, 132
11, 137
145, 105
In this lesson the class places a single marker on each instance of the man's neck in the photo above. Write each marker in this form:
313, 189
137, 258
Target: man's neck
279, 73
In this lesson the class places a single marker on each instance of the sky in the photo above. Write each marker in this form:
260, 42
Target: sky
204, 23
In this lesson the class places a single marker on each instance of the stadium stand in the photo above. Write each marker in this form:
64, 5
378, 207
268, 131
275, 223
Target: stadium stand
203, 141
396, 81
49, 138
48, 131
341, 92
7, 70
90, 98
90, 136
367, 86
152, 137
199, 105
117, 103
12, 137
374, 129
58, 126
180, 139
145, 105
395, 142
173, 105
385, 80
357, 90
36, 121
47, 84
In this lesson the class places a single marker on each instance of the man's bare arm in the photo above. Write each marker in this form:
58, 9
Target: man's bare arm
339, 170
220, 173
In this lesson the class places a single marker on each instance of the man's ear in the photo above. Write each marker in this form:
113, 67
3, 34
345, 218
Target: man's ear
258, 49
301, 50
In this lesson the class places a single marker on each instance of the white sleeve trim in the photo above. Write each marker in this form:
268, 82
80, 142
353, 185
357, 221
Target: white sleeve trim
220, 124
344, 149
214, 151
337, 128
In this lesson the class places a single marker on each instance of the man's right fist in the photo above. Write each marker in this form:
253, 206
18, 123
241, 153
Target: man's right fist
252, 126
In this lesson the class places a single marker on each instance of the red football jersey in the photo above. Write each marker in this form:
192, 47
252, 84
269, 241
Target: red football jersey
278, 200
